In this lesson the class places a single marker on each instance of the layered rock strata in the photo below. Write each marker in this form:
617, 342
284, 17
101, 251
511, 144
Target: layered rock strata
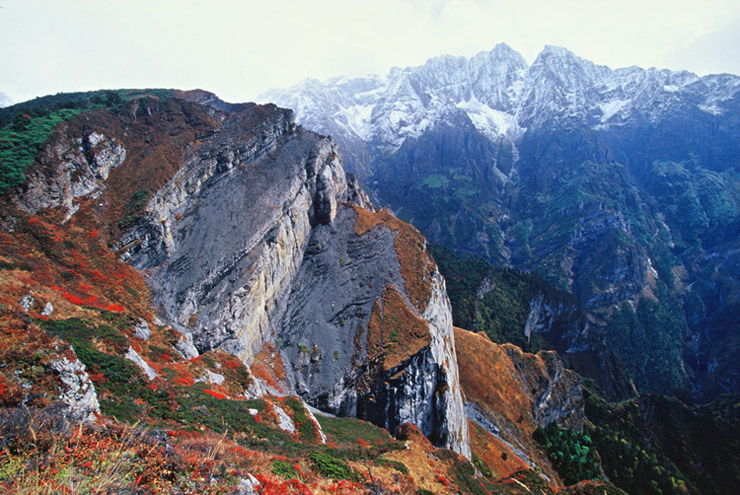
261, 237
357, 343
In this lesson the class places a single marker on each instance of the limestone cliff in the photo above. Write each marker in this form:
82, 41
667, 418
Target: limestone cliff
368, 328
71, 169
224, 237
249, 232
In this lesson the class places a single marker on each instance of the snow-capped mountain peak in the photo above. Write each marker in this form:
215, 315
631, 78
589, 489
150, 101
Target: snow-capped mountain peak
501, 95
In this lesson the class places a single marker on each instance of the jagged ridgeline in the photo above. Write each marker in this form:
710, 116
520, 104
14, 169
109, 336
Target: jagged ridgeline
619, 186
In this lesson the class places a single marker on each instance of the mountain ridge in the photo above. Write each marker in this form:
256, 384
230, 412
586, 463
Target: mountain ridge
502, 81
164, 180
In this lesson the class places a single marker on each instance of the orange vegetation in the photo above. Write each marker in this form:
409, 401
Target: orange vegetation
395, 333
268, 366
490, 380
417, 266
494, 453
499, 386
423, 466
66, 266
156, 134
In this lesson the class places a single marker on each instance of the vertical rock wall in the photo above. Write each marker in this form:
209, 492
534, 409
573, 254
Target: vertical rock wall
254, 240
223, 239
356, 345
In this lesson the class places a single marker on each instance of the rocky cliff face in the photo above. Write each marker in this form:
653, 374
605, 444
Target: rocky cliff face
381, 346
224, 237
249, 232
71, 169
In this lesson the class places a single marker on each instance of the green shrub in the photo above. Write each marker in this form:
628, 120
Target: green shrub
21, 140
572, 453
111, 373
329, 466
285, 469
347, 432
482, 467
134, 207
397, 465
25, 127
306, 428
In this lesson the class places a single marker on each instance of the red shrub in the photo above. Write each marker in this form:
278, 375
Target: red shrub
215, 394
441, 479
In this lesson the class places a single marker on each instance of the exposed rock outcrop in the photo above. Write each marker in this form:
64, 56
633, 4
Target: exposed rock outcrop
509, 393
134, 357
78, 392
71, 169
366, 349
555, 391
261, 237
224, 237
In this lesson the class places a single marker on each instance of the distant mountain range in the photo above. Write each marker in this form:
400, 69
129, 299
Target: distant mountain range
621, 187
503, 97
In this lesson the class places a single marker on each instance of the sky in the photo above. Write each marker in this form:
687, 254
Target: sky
240, 48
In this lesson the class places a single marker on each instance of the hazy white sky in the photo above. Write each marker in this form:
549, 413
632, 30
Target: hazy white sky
239, 48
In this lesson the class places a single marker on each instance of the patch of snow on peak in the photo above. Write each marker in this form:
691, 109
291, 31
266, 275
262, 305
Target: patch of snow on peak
489, 122
610, 108
357, 119
712, 109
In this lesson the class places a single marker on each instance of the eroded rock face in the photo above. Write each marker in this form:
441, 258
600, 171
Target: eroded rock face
555, 391
78, 392
71, 169
509, 393
358, 346
224, 237
261, 237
